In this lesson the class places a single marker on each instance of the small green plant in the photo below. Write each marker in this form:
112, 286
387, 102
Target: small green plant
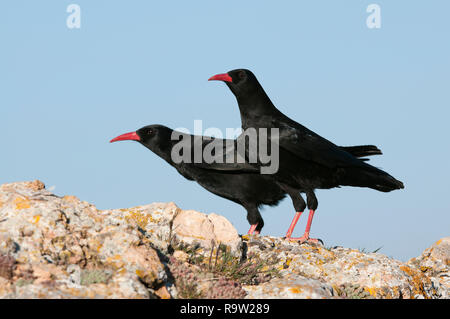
225, 289
95, 276
23, 282
193, 251
222, 273
365, 251
185, 280
250, 271
350, 291
7, 264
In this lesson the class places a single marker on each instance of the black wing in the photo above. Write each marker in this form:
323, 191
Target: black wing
221, 155
308, 145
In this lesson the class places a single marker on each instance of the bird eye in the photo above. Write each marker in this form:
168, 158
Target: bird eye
150, 131
242, 75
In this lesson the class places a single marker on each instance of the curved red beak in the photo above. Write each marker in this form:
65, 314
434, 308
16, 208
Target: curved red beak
221, 77
126, 137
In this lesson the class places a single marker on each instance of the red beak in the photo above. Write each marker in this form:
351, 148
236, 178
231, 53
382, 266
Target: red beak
221, 77
126, 137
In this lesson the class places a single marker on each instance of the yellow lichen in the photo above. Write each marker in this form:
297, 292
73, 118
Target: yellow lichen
288, 261
192, 236
424, 268
22, 203
140, 218
319, 262
352, 264
371, 290
36, 219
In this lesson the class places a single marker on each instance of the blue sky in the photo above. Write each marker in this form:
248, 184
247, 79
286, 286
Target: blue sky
66, 92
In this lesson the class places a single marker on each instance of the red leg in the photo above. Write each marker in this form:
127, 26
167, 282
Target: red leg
293, 223
305, 237
252, 230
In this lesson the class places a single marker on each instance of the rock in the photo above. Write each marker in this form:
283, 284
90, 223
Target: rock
365, 275
62, 247
190, 226
180, 255
435, 263
66, 248
291, 287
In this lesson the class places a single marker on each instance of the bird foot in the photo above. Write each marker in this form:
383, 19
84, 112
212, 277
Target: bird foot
305, 239
252, 230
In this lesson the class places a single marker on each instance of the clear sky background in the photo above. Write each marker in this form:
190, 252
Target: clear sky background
64, 93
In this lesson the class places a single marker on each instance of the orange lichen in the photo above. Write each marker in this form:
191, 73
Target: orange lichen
70, 198
163, 293
99, 247
36, 219
395, 292
146, 276
417, 279
295, 290
22, 203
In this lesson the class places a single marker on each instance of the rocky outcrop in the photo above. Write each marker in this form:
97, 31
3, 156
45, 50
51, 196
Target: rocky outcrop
319, 272
62, 247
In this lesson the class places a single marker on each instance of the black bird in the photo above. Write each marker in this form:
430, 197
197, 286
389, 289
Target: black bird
238, 182
307, 160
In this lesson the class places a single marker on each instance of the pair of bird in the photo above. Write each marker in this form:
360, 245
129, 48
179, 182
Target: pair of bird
307, 161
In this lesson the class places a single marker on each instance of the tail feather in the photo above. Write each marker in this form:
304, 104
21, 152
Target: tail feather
372, 178
362, 150
388, 183
368, 175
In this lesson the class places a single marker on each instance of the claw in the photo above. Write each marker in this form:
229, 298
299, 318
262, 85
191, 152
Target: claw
305, 239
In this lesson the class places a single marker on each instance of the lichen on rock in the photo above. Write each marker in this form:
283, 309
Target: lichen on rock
63, 247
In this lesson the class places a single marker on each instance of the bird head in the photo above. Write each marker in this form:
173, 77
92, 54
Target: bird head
250, 95
242, 82
154, 137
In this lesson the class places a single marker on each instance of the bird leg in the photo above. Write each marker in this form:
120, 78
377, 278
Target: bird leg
293, 223
252, 230
305, 237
